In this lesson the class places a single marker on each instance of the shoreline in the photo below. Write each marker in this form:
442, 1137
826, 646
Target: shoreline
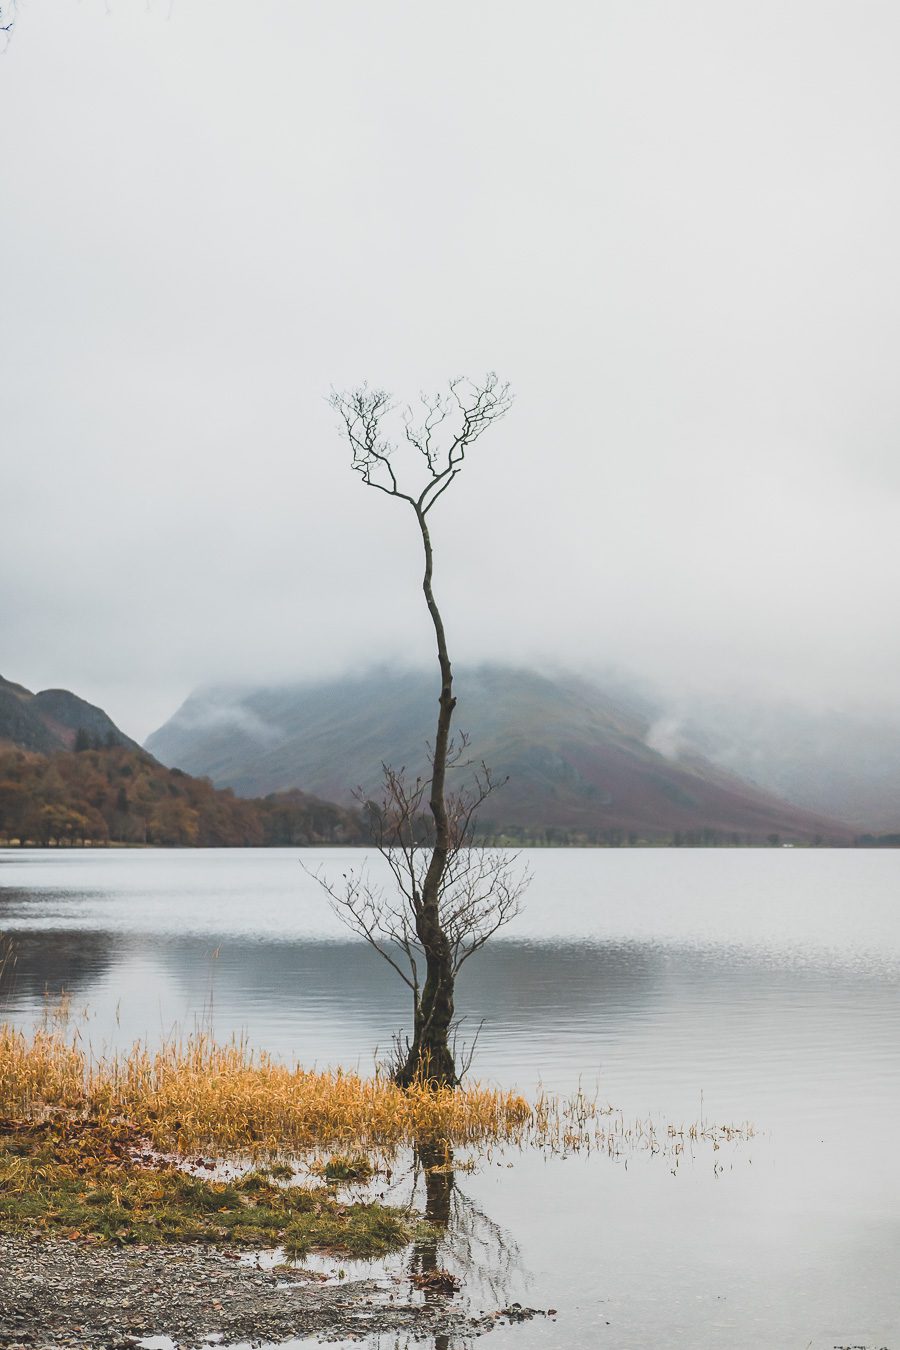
85, 1297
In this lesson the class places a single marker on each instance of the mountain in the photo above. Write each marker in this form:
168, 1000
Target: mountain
577, 757
68, 774
839, 763
53, 719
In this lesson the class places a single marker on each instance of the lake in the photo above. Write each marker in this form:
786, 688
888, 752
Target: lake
741, 985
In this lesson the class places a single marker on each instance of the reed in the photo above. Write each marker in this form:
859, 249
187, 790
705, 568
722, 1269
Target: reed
105, 1149
194, 1094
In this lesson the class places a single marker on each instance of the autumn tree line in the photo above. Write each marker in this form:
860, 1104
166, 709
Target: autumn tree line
105, 793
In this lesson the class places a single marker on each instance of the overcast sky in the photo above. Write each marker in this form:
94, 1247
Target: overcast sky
672, 226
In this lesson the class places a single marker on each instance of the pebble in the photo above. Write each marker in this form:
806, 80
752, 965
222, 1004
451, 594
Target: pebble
58, 1295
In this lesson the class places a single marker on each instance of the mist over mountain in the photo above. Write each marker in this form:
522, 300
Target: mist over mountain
840, 763
579, 759
685, 262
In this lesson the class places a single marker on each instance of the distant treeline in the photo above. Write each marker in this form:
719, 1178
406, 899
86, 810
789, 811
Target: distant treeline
105, 793
511, 836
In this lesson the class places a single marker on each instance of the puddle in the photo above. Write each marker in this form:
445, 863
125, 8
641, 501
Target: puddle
212, 1338
315, 1343
330, 1269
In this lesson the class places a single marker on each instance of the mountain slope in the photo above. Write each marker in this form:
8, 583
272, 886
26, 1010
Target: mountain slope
840, 763
68, 774
52, 720
576, 757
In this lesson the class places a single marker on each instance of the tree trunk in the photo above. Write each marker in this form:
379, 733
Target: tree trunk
430, 1057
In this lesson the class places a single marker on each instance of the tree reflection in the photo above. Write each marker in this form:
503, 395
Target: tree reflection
462, 1246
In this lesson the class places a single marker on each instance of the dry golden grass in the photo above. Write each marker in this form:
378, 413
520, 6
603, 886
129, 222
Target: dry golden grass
196, 1095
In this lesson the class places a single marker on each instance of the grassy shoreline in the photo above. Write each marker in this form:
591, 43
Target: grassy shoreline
95, 1181
194, 1094
106, 1149
101, 1150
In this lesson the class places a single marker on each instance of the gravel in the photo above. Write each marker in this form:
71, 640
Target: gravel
56, 1294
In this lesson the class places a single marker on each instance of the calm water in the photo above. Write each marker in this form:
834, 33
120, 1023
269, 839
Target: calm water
768, 981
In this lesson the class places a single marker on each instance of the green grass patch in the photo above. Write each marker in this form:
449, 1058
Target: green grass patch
82, 1180
347, 1167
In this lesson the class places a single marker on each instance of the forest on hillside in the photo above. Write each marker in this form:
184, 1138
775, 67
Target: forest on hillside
101, 794
105, 793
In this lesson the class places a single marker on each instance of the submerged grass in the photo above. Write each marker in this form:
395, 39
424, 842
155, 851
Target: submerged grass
86, 1179
97, 1147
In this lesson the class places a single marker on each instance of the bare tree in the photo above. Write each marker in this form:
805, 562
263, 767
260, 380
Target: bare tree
450, 896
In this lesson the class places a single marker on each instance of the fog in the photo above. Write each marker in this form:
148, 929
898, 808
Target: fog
672, 227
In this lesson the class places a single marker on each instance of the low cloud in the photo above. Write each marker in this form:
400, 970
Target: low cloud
227, 714
666, 736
